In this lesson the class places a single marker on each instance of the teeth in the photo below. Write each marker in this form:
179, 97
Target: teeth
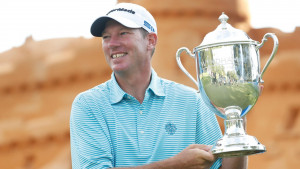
118, 55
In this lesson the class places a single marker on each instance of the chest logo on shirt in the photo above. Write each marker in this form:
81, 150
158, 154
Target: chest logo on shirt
170, 128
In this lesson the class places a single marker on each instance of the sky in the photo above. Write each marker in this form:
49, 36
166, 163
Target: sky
48, 19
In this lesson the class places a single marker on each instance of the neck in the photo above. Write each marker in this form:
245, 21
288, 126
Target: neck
135, 84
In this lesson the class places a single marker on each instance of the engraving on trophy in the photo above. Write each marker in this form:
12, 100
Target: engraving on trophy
225, 83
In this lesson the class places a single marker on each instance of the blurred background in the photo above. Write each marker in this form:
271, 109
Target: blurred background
45, 61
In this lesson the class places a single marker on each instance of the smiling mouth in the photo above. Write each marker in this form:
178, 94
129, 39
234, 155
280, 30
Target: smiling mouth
118, 55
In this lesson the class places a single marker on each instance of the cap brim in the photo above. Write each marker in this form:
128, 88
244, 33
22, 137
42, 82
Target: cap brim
99, 24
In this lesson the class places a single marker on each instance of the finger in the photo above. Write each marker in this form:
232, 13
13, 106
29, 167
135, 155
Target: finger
206, 155
261, 87
200, 146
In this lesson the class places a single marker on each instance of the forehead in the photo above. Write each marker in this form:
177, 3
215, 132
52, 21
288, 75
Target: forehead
112, 23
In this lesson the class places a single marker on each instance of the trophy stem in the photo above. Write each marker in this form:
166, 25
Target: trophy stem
234, 123
235, 141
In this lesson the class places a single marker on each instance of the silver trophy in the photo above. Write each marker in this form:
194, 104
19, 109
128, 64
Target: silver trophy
229, 78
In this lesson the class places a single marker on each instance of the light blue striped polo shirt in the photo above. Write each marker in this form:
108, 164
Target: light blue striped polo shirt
110, 128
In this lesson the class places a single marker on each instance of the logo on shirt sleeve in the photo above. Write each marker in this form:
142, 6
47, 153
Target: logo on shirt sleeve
170, 128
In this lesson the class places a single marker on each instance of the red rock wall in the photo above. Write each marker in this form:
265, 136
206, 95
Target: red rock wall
39, 81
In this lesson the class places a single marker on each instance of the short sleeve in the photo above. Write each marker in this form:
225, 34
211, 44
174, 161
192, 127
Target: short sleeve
90, 139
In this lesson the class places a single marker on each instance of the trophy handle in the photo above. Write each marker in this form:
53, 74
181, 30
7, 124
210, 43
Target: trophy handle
275, 47
178, 53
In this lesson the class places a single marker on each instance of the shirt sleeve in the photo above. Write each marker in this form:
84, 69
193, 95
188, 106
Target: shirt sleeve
208, 130
90, 139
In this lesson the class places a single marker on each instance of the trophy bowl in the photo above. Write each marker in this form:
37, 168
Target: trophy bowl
229, 80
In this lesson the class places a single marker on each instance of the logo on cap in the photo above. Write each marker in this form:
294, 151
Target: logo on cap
121, 9
149, 26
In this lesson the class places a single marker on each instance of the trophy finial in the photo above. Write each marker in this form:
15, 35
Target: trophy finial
223, 18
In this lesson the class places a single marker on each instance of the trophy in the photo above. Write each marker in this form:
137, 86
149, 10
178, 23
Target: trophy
228, 79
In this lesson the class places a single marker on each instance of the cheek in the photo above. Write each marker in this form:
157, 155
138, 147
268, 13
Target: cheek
141, 45
104, 48
105, 51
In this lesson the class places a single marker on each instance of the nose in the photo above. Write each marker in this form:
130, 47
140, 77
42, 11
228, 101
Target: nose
113, 42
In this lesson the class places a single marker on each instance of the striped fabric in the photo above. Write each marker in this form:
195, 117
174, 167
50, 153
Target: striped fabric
110, 128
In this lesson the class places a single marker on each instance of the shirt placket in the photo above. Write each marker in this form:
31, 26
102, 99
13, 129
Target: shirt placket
141, 124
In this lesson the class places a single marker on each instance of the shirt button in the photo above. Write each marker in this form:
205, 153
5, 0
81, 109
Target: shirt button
142, 132
141, 112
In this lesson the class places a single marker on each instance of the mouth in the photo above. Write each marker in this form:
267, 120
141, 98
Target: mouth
118, 55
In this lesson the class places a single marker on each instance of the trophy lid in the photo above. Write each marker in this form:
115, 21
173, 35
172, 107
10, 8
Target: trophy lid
225, 33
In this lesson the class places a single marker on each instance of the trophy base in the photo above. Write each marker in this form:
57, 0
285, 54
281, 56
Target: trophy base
237, 145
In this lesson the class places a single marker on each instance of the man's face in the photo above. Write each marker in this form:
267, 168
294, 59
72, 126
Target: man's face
125, 49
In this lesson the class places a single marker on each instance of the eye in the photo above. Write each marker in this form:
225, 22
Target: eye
105, 36
124, 33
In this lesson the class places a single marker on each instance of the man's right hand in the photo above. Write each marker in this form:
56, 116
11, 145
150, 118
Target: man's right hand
196, 156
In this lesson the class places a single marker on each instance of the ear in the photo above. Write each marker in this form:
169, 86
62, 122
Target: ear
152, 39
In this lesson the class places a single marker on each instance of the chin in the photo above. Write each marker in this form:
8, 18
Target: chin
119, 69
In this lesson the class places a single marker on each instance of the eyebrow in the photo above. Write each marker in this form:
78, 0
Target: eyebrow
122, 28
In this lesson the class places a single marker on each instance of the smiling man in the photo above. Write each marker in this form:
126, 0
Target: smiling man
137, 119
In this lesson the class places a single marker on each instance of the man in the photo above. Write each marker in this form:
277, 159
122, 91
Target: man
137, 119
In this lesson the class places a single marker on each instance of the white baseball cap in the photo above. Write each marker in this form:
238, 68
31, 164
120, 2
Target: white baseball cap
129, 15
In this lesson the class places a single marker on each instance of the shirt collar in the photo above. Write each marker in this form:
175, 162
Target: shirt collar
155, 85
117, 94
